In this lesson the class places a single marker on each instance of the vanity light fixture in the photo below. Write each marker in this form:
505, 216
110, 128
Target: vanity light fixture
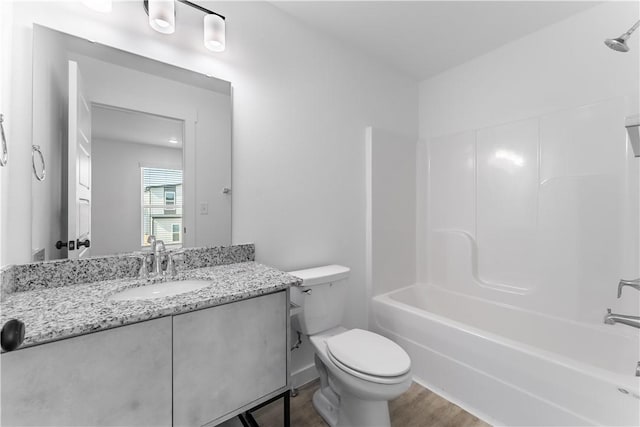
162, 15
214, 32
162, 18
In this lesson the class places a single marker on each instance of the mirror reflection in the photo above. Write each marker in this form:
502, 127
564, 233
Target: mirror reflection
125, 140
136, 174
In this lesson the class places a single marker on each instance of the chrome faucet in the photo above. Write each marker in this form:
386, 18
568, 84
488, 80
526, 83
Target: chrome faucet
158, 256
631, 283
152, 241
613, 318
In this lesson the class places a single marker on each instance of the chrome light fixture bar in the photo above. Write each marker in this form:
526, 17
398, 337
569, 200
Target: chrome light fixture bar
162, 18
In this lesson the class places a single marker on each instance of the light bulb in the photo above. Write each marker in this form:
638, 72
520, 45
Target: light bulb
162, 16
214, 32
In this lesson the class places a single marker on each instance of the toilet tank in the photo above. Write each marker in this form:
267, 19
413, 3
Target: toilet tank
322, 297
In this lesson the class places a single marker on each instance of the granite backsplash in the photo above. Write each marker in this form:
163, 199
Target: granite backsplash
52, 274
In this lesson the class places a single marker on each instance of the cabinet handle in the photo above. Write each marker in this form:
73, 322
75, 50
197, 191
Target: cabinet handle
12, 335
86, 243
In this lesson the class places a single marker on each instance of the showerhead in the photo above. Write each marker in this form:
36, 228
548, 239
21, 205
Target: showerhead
620, 44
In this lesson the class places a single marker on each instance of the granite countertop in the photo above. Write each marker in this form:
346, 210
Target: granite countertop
62, 312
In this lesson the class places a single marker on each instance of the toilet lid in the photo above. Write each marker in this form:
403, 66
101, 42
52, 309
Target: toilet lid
369, 353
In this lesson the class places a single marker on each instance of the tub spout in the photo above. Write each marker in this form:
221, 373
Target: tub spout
613, 318
631, 283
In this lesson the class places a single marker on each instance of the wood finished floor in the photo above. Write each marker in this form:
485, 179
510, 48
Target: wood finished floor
418, 407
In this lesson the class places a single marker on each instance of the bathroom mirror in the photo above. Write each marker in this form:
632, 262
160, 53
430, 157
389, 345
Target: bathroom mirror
132, 147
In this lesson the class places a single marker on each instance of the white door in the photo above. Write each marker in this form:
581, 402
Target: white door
79, 168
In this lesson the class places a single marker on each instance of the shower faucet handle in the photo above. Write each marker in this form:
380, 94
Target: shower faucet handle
631, 283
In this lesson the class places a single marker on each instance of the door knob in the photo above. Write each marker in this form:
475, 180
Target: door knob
86, 243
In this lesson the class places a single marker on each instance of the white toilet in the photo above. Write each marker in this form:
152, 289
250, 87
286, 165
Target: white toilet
360, 371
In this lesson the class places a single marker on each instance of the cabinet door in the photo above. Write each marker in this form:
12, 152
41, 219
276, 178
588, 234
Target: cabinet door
118, 377
228, 356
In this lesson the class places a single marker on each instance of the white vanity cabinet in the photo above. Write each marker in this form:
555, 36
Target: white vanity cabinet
120, 376
191, 369
228, 358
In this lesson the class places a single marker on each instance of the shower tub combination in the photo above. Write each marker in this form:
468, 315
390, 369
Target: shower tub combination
511, 366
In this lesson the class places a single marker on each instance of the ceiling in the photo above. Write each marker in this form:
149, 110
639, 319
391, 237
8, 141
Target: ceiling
115, 124
424, 38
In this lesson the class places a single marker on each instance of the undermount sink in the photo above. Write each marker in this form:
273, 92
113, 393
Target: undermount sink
160, 290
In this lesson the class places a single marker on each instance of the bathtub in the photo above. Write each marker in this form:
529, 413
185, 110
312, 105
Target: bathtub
510, 366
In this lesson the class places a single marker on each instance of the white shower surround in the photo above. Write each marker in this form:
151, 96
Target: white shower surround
528, 214
541, 214
531, 225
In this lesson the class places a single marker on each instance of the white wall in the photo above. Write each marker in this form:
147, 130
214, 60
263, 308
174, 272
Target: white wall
116, 204
16, 176
299, 131
300, 108
6, 16
564, 65
530, 186
391, 210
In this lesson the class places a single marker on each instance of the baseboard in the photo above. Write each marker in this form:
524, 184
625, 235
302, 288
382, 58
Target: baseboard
303, 376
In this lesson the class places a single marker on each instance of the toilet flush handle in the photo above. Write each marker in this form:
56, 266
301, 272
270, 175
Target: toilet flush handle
307, 291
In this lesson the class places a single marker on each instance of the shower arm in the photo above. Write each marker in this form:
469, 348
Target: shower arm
626, 35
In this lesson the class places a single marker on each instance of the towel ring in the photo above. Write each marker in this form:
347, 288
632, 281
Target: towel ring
39, 176
4, 156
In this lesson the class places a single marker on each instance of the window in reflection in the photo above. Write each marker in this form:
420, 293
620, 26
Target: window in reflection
162, 198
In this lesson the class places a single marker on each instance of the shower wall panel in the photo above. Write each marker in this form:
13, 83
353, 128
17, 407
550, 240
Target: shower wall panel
540, 214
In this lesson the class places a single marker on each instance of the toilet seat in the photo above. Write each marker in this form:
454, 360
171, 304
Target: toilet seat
368, 356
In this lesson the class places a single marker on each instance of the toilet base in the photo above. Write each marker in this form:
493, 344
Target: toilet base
327, 410
355, 412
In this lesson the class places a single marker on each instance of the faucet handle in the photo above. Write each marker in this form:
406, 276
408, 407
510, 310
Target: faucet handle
145, 267
172, 262
607, 318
